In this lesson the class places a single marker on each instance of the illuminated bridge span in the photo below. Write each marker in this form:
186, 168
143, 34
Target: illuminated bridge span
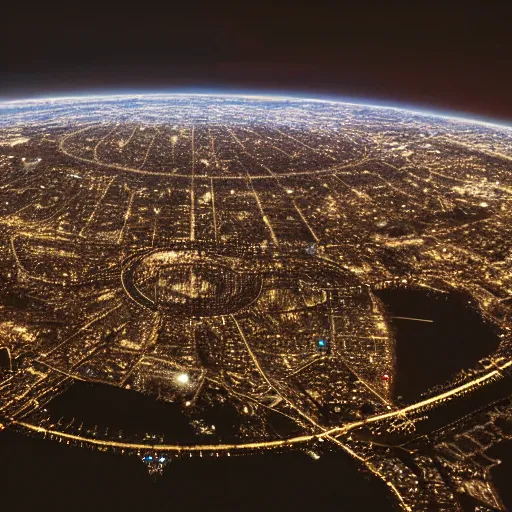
281, 443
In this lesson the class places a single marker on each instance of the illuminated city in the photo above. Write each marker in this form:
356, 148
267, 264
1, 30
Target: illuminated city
230, 259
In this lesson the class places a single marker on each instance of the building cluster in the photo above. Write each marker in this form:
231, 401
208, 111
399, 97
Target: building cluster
224, 252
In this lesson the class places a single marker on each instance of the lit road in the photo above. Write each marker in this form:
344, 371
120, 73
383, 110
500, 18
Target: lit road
336, 431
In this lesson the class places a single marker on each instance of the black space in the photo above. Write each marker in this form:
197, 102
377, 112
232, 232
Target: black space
449, 55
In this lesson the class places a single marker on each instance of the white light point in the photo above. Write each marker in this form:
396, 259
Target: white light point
183, 378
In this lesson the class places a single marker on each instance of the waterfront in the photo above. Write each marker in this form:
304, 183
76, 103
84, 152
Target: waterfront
430, 353
41, 472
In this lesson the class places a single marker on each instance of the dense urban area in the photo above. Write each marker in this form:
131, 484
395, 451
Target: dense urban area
222, 257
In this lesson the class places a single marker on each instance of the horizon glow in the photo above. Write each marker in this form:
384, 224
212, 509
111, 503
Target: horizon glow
418, 109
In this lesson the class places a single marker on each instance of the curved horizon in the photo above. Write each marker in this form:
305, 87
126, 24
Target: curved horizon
269, 95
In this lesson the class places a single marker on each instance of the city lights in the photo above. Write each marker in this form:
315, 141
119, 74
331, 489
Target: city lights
224, 259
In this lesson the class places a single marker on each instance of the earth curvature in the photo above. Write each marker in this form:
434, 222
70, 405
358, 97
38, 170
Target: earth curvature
222, 256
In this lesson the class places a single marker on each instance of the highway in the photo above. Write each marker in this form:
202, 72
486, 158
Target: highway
335, 431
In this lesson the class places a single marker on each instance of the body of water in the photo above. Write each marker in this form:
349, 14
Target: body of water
41, 473
430, 353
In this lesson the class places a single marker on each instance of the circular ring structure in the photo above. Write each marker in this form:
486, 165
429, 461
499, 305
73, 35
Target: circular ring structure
189, 283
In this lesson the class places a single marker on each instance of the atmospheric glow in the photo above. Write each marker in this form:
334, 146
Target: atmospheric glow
465, 117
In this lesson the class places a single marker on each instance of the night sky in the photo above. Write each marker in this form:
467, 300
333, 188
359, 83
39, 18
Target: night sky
455, 56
